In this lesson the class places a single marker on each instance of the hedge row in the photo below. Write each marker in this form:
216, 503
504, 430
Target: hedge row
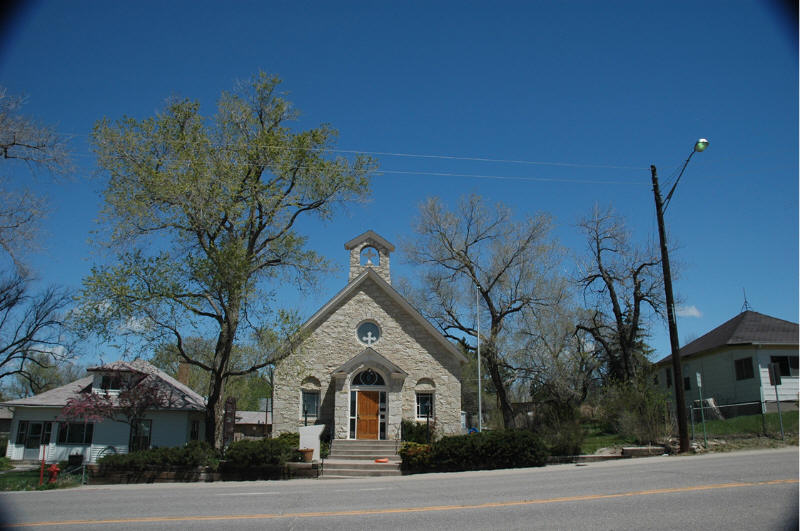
247, 454
476, 451
195, 453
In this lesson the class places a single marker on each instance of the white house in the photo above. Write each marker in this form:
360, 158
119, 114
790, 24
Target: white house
368, 360
733, 361
38, 428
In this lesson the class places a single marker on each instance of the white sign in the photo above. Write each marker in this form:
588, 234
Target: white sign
699, 381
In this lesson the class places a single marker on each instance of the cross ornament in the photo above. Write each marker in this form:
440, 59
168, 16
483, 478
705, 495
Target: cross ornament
369, 339
369, 253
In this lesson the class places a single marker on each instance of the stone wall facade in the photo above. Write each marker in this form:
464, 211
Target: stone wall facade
426, 364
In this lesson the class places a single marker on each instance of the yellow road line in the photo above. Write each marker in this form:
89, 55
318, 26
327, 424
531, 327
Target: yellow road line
361, 512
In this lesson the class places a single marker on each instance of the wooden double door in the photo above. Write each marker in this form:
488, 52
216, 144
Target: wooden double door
368, 419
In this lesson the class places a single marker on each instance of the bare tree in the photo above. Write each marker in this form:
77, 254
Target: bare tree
31, 329
32, 337
621, 286
559, 363
510, 262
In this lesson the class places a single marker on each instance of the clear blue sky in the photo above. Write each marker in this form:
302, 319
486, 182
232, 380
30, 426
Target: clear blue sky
583, 83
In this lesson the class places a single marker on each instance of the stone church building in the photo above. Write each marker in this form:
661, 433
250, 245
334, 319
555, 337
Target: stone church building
367, 360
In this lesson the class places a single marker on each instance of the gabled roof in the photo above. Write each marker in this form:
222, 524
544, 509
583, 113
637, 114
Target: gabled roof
54, 397
747, 328
369, 356
370, 274
369, 235
178, 395
252, 417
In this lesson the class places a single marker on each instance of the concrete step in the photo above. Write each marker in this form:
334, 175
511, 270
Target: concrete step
361, 444
377, 448
360, 464
358, 460
341, 473
362, 455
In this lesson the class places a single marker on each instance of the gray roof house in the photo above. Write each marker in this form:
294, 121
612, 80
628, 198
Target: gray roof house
38, 428
733, 359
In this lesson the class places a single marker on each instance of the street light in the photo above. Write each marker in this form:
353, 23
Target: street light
680, 398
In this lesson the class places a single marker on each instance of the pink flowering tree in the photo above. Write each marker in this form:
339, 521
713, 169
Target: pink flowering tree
136, 396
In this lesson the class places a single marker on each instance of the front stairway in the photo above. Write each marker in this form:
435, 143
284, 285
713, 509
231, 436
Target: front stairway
357, 459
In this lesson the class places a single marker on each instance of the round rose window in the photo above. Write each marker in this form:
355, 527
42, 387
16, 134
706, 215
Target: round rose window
368, 333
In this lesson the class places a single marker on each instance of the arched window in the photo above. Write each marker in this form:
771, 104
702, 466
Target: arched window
370, 256
368, 377
309, 398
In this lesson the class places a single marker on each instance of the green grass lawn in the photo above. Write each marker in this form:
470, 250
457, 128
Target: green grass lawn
29, 480
597, 437
749, 425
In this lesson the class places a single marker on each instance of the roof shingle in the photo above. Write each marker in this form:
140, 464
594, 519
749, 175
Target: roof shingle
747, 328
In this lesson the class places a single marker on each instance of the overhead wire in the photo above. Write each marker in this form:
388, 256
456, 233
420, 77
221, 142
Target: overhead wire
465, 159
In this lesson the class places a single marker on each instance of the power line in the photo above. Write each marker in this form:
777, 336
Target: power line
438, 156
506, 177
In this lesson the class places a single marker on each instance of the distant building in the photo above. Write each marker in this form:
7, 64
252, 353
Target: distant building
733, 361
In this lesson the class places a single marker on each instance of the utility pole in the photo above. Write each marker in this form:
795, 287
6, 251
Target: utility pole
680, 398
478, 343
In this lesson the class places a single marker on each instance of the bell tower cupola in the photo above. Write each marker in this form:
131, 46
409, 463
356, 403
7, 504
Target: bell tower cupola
369, 251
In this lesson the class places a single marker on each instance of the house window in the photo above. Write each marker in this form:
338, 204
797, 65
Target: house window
787, 364
687, 383
140, 434
75, 432
111, 382
310, 403
22, 431
424, 405
669, 377
744, 368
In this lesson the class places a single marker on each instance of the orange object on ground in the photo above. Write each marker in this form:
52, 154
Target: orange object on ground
382, 460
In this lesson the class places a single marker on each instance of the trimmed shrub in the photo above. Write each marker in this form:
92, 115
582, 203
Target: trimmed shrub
415, 457
417, 432
253, 453
193, 454
476, 451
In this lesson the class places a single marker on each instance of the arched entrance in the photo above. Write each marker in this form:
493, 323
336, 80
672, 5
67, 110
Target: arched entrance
368, 408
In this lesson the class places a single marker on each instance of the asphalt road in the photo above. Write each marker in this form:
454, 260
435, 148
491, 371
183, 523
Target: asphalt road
742, 490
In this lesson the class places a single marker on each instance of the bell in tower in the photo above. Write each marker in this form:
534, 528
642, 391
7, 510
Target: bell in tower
369, 251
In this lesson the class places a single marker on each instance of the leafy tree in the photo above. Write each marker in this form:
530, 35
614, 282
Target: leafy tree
202, 214
32, 334
248, 389
138, 393
511, 263
620, 283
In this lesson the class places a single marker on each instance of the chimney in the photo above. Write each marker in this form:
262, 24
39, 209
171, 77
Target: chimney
183, 373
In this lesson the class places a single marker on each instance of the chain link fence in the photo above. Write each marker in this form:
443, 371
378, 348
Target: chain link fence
744, 419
